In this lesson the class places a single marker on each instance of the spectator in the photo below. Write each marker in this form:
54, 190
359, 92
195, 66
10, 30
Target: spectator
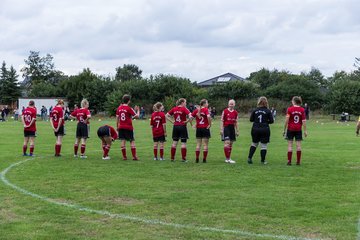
3, 114
213, 113
142, 113
16, 114
7, 111
273, 113
307, 111
43, 113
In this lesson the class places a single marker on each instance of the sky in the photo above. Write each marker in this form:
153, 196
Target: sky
196, 39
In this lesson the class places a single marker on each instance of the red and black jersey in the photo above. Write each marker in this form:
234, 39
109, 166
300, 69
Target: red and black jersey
56, 114
124, 114
229, 117
202, 121
81, 115
157, 124
179, 113
296, 116
28, 115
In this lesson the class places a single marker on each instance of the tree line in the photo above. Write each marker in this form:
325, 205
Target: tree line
335, 94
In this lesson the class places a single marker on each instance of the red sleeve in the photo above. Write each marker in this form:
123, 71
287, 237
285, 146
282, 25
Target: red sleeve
194, 113
133, 113
187, 111
114, 134
171, 112
88, 112
74, 113
206, 111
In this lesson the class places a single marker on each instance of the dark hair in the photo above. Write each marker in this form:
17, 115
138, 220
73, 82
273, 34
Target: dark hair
203, 102
126, 98
297, 100
157, 106
31, 103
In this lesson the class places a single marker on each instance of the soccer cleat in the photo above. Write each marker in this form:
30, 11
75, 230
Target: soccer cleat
31, 155
25, 154
298, 163
75, 156
173, 160
162, 159
264, 162
106, 158
250, 161
124, 159
204, 161
230, 161
135, 159
155, 159
197, 160
184, 161
57, 155
289, 163
83, 156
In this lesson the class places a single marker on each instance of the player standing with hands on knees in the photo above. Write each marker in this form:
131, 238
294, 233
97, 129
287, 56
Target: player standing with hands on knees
29, 122
57, 123
260, 131
203, 124
294, 122
82, 130
229, 129
124, 116
181, 116
158, 127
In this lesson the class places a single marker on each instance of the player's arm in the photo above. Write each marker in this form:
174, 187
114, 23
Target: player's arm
23, 120
169, 118
304, 127
189, 119
137, 112
271, 118
52, 123
358, 127
222, 124
286, 123
209, 120
164, 126
117, 121
236, 127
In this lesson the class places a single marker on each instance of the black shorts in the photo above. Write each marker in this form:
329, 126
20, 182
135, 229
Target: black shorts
203, 133
290, 135
159, 139
103, 131
229, 133
260, 135
126, 134
82, 130
180, 132
61, 131
29, 133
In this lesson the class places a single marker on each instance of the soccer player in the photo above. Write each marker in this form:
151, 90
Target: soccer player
158, 126
260, 132
82, 131
203, 124
179, 116
358, 127
57, 123
29, 122
294, 122
107, 134
124, 116
229, 129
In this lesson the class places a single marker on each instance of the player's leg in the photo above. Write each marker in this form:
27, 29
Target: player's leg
289, 152
133, 150
76, 146
205, 142
227, 150
197, 150
263, 152
32, 145
83, 147
252, 150
298, 152
58, 145
107, 140
26, 141
183, 150
156, 146
123, 148
173, 149
162, 143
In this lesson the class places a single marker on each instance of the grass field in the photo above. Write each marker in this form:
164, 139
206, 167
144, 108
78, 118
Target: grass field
65, 198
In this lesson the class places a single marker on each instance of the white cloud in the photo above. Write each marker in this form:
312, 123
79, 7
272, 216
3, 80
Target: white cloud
189, 38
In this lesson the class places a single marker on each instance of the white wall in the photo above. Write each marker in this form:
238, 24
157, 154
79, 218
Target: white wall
39, 102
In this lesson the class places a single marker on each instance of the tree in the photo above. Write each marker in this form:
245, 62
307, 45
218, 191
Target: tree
128, 72
9, 88
317, 77
344, 97
40, 69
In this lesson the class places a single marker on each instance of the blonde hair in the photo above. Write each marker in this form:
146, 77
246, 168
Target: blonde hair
203, 102
157, 106
84, 103
60, 102
263, 102
297, 100
180, 101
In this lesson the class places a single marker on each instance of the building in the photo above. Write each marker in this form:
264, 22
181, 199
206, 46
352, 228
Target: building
224, 78
39, 102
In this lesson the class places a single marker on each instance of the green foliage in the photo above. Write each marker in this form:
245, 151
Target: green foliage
234, 90
9, 88
344, 97
128, 72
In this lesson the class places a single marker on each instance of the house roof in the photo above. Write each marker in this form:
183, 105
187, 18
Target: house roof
224, 78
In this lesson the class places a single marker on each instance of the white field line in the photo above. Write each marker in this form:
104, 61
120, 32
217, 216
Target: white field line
140, 219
